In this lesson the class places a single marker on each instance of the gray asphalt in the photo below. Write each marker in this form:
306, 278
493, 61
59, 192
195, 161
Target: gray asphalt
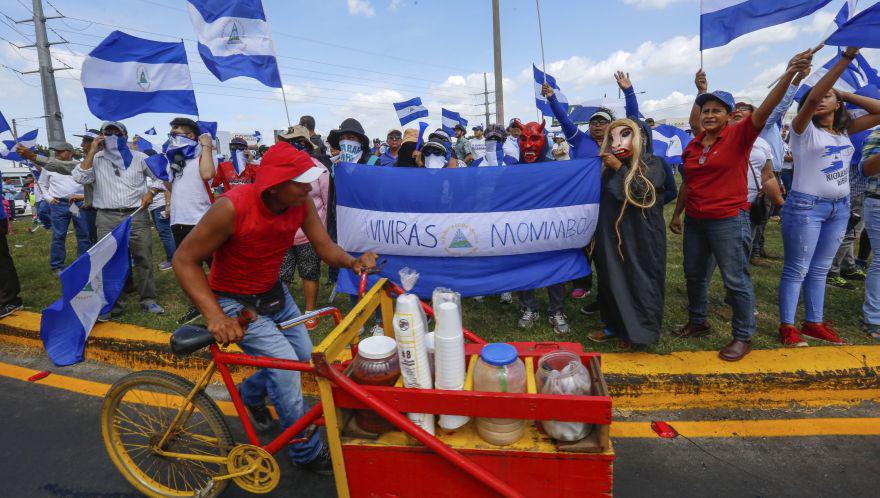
52, 447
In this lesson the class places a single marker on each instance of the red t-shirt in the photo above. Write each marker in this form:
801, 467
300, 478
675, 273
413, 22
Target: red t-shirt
249, 261
719, 187
227, 177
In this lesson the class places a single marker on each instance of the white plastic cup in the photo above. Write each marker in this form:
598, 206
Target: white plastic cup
409, 329
449, 360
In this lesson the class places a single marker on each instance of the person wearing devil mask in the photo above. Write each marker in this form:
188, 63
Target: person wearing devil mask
534, 148
630, 251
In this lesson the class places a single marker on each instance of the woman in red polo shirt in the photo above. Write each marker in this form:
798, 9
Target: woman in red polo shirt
715, 165
817, 211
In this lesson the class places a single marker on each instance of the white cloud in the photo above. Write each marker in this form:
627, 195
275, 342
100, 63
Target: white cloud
820, 22
650, 4
394, 5
675, 104
358, 7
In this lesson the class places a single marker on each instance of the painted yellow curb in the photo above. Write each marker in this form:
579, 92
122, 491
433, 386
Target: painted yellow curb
693, 429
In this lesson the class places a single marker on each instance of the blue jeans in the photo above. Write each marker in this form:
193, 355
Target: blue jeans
728, 241
163, 228
871, 218
263, 338
44, 214
61, 218
812, 230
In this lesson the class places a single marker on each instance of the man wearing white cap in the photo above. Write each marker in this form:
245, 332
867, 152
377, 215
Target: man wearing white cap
119, 176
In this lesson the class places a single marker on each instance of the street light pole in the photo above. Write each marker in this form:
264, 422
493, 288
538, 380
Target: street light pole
496, 39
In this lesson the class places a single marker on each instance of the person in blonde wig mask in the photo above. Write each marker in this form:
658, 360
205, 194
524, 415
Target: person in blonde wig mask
630, 252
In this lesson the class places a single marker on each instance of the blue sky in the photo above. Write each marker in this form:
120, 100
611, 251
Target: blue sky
353, 58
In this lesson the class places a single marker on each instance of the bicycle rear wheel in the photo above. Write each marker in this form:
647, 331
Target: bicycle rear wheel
136, 414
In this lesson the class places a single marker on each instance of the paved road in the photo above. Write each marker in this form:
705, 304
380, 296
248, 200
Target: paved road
52, 448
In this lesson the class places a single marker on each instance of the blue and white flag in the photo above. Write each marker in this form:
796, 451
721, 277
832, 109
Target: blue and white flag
239, 161
90, 287
4, 125
845, 12
422, 127
125, 76
29, 140
410, 110
450, 119
144, 145
669, 142
209, 127
158, 163
721, 21
151, 131
854, 79
478, 231
258, 136
540, 101
862, 30
234, 40
116, 150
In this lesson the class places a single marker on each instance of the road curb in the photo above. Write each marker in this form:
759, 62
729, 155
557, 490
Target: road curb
814, 375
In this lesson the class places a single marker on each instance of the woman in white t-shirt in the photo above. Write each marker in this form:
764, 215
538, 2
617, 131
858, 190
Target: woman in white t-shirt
816, 212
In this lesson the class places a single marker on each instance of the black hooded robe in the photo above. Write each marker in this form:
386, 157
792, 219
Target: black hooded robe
631, 290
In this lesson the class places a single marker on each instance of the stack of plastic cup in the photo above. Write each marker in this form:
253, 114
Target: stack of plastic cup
409, 328
449, 360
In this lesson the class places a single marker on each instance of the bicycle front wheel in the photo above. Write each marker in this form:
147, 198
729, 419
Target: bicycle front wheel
136, 414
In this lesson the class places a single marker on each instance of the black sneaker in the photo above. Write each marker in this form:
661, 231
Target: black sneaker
321, 464
854, 274
191, 314
839, 282
590, 308
8, 309
260, 416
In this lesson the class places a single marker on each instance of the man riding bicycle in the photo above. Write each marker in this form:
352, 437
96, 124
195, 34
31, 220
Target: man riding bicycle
248, 230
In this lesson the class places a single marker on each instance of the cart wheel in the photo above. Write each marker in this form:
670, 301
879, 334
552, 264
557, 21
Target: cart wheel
137, 411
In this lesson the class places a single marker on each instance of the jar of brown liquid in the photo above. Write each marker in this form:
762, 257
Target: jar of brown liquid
376, 364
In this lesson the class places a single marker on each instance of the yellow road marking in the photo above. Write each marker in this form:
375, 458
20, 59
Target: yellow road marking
698, 429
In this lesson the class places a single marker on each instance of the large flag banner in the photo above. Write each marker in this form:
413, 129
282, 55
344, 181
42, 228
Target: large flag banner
858, 78
479, 231
669, 142
410, 110
125, 76
721, 21
450, 119
7, 149
90, 286
862, 30
540, 101
234, 39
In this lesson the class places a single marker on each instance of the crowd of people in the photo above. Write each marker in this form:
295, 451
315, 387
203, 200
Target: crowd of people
265, 214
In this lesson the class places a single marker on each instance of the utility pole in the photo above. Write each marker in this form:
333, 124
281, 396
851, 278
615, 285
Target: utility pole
496, 38
51, 108
486, 96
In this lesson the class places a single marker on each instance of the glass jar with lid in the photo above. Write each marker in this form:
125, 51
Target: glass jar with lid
499, 369
376, 364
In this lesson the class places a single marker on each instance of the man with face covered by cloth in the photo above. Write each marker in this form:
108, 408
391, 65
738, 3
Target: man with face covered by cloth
630, 252
533, 148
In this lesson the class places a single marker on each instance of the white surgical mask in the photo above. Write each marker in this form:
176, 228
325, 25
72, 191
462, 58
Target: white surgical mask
435, 162
492, 153
350, 151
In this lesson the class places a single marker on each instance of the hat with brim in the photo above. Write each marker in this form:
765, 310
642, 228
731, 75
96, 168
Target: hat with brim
603, 115
410, 135
61, 146
439, 135
460, 126
89, 134
725, 98
309, 176
298, 132
352, 126
478, 127
434, 145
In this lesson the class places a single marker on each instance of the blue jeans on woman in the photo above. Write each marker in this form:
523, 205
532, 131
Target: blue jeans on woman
871, 307
163, 228
812, 230
264, 338
61, 218
729, 241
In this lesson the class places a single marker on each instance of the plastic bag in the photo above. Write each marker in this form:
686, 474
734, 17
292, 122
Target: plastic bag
561, 372
408, 278
444, 295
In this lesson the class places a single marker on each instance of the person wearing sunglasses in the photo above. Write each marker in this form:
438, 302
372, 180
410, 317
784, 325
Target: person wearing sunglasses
715, 200
394, 139
228, 175
119, 176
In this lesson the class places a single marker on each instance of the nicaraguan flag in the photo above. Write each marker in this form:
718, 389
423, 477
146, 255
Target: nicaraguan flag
117, 151
450, 119
29, 140
843, 15
151, 131
4, 125
239, 161
234, 39
258, 136
721, 21
478, 231
669, 141
125, 76
144, 145
90, 287
862, 30
410, 110
857, 76
541, 101
209, 127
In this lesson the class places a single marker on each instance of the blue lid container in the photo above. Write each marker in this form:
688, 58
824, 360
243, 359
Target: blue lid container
498, 354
